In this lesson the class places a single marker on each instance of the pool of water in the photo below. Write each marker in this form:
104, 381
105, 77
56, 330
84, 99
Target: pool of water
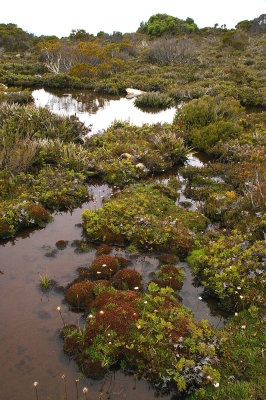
99, 111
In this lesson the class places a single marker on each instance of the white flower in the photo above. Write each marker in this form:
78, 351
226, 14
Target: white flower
85, 390
243, 326
216, 384
136, 288
35, 384
200, 298
58, 308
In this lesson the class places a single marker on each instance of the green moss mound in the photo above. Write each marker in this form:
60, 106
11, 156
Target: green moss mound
154, 223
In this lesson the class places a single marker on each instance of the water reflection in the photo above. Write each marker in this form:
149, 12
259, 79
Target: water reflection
97, 110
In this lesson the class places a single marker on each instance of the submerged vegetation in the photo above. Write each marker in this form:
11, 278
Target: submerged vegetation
213, 215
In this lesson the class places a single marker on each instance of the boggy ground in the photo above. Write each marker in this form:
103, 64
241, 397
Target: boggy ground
49, 167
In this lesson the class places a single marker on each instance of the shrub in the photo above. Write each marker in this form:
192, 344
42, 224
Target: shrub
16, 96
207, 137
152, 334
206, 110
154, 223
230, 268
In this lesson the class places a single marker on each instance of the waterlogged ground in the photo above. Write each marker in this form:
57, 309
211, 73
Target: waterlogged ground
30, 347
98, 111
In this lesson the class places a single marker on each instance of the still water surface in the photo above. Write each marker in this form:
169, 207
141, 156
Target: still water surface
99, 111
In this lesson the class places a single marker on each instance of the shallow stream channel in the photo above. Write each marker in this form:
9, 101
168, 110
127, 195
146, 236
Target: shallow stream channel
30, 347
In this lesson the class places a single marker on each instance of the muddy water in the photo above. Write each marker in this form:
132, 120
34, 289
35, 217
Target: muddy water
99, 111
30, 347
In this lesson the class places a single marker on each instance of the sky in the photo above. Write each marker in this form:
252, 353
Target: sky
59, 17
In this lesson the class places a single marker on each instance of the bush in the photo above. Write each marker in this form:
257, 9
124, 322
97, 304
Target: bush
206, 110
230, 268
220, 131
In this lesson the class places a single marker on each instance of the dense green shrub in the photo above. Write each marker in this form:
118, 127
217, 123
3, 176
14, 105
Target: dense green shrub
231, 269
206, 110
160, 24
220, 131
241, 363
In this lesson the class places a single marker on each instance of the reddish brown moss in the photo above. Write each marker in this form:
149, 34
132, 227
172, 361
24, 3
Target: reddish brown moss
103, 249
115, 311
61, 244
104, 266
39, 214
126, 279
80, 294
168, 258
90, 368
5, 231
171, 276
123, 262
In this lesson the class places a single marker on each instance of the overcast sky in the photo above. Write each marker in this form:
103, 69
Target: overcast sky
59, 17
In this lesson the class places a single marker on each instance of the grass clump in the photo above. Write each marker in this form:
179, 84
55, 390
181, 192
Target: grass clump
154, 100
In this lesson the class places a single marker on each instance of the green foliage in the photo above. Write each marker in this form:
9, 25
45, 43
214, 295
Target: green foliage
155, 222
241, 363
13, 38
236, 39
230, 268
45, 282
160, 24
157, 337
154, 100
15, 95
210, 120
206, 110
220, 131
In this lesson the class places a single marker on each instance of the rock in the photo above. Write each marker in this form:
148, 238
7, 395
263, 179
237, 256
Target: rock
133, 93
142, 168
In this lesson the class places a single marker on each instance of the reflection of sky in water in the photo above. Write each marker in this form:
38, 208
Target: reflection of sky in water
100, 112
